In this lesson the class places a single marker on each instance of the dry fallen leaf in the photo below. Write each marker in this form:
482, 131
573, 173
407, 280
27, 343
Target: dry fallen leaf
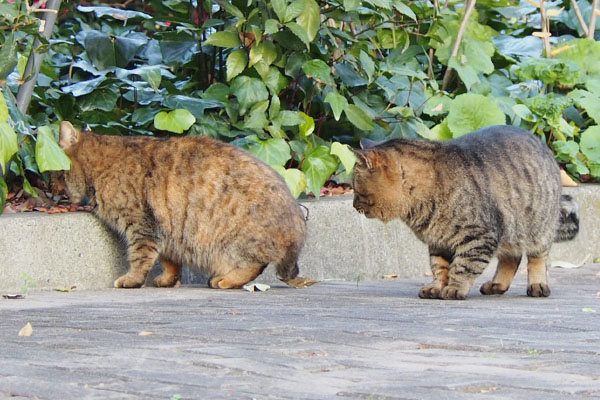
145, 333
13, 296
257, 287
27, 330
392, 276
66, 289
300, 282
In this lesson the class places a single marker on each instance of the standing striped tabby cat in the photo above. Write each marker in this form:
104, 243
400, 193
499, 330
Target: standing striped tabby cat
190, 200
494, 192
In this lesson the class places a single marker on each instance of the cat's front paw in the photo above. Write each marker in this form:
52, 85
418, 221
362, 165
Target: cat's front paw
454, 293
430, 292
128, 281
538, 290
493, 288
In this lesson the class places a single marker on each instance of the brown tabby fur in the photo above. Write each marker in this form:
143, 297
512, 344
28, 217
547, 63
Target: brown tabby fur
494, 192
191, 200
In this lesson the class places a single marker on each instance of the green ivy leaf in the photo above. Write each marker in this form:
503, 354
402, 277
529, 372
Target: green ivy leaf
294, 179
359, 118
319, 71
310, 18
300, 32
345, 154
293, 10
469, 112
101, 99
225, 39
368, 65
318, 166
308, 127
248, 91
101, 49
274, 151
351, 5
590, 144
236, 63
8, 56
337, 102
48, 154
152, 75
3, 108
8, 144
175, 121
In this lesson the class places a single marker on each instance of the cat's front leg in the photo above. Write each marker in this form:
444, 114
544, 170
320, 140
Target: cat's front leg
469, 261
439, 263
142, 253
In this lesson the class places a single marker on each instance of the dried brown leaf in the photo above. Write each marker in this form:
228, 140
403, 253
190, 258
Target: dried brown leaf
392, 276
300, 282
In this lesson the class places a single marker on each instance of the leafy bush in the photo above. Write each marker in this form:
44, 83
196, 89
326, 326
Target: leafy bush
296, 81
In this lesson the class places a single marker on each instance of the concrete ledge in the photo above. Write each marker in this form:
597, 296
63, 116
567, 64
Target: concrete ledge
76, 249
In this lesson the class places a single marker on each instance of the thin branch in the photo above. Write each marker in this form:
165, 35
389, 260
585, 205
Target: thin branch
592, 24
459, 36
577, 11
545, 30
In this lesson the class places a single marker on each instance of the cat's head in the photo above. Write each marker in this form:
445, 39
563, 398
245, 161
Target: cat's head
372, 180
73, 181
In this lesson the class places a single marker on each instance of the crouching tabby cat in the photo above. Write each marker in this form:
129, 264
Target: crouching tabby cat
494, 192
190, 200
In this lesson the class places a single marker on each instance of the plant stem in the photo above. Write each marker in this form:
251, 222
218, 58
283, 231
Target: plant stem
461, 32
34, 62
577, 11
592, 24
546, 30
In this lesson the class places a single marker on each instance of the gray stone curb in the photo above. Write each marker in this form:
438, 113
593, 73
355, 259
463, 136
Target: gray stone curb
76, 249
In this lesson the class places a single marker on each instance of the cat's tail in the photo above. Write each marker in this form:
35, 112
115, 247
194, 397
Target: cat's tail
569, 219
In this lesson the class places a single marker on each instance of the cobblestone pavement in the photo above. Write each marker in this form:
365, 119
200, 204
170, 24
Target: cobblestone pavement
366, 340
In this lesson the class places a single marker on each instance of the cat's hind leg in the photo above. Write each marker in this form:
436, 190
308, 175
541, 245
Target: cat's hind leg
505, 272
237, 277
537, 276
439, 269
170, 275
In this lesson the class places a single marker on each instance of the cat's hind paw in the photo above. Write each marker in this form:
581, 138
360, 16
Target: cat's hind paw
538, 290
454, 293
430, 292
128, 282
492, 288
166, 280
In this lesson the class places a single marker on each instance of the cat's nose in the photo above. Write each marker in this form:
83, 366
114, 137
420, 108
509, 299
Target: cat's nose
84, 201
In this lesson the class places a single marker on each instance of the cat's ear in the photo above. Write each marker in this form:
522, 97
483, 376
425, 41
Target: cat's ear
368, 143
362, 158
69, 136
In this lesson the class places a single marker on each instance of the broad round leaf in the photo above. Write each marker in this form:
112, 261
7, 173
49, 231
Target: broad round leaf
8, 144
273, 151
318, 167
470, 112
226, 39
101, 49
590, 144
359, 118
236, 63
48, 154
248, 91
175, 121
346, 156
294, 179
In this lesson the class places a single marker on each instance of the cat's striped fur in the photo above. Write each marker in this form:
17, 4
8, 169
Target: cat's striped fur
494, 192
191, 200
